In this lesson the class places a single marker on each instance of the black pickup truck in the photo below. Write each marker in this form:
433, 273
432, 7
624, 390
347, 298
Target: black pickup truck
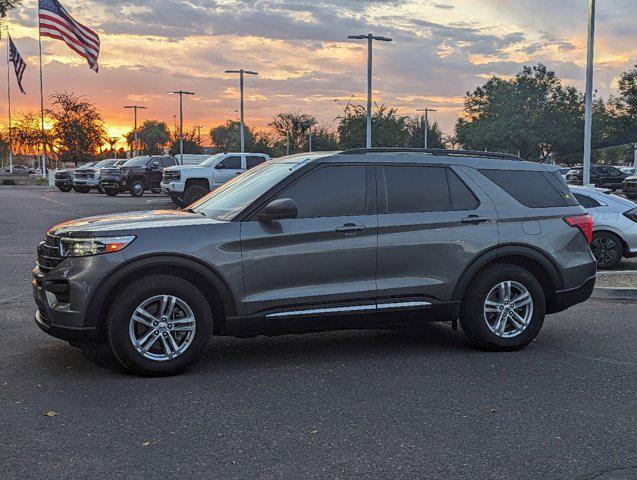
136, 176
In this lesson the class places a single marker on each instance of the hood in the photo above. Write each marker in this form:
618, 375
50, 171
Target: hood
186, 168
121, 222
632, 178
65, 170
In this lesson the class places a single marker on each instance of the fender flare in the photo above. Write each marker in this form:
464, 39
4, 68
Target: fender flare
495, 253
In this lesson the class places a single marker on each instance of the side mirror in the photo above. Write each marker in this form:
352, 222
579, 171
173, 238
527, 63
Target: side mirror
220, 166
154, 164
278, 210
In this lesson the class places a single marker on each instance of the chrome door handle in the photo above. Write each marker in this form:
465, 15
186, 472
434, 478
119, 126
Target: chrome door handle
350, 228
474, 219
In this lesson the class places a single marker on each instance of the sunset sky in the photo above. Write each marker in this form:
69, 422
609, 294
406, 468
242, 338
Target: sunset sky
442, 48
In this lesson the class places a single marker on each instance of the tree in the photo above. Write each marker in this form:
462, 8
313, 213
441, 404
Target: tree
6, 5
416, 133
324, 139
191, 143
26, 135
227, 137
388, 128
78, 127
153, 136
295, 125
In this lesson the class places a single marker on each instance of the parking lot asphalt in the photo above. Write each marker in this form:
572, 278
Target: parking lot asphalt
362, 404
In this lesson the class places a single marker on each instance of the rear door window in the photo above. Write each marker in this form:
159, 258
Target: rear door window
413, 188
253, 160
232, 162
532, 189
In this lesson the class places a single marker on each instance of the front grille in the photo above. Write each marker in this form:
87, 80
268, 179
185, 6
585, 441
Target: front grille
49, 253
83, 175
62, 175
168, 176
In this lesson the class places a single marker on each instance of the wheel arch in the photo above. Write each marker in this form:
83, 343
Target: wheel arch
523, 256
204, 276
204, 182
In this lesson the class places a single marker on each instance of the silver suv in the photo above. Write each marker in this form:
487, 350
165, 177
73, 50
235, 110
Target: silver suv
354, 239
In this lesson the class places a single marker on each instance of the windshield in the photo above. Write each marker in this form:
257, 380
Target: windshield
104, 163
209, 161
232, 197
136, 161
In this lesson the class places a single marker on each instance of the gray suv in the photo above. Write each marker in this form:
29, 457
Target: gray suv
347, 240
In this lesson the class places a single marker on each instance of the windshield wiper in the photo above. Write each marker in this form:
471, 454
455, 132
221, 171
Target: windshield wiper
192, 210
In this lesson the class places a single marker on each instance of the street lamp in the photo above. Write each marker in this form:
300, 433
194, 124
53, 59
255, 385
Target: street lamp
135, 108
199, 127
181, 94
369, 38
426, 127
309, 126
588, 105
241, 72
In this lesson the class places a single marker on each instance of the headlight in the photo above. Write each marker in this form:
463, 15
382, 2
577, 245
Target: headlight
82, 247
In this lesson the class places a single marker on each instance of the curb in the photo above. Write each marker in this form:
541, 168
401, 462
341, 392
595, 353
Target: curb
610, 293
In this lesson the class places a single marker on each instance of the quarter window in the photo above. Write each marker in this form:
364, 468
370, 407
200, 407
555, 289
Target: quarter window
533, 189
333, 191
586, 201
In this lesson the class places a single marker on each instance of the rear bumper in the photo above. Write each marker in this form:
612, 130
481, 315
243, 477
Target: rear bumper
567, 298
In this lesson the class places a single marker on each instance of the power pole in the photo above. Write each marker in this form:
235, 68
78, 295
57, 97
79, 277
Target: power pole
588, 109
426, 126
241, 72
181, 94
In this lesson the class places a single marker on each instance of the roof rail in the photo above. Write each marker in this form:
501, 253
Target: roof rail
434, 151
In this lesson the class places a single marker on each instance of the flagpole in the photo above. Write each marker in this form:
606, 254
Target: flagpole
41, 99
9, 103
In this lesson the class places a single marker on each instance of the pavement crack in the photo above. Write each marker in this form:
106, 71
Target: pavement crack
608, 470
3, 300
585, 357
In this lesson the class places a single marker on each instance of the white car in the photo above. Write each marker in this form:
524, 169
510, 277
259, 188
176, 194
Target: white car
614, 225
188, 183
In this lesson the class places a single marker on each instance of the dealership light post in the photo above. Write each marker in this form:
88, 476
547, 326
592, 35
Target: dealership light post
588, 108
135, 108
426, 126
181, 94
370, 38
242, 72
199, 127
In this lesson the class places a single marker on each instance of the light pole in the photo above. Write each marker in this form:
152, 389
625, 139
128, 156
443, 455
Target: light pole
241, 72
426, 126
287, 141
135, 108
309, 144
370, 37
181, 94
199, 127
588, 108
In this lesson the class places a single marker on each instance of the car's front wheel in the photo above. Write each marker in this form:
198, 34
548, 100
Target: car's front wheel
503, 308
194, 193
159, 325
111, 192
607, 249
65, 189
82, 189
137, 188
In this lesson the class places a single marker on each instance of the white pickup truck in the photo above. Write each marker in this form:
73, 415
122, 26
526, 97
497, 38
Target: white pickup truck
188, 183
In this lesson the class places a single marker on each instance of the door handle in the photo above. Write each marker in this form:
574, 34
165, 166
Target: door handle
350, 228
474, 219
238, 173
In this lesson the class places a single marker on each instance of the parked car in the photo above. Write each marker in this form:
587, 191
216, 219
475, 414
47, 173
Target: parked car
629, 187
63, 178
21, 169
187, 184
136, 175
88, 175
614, 225
356, 239
564, 171
602, 176
628, 170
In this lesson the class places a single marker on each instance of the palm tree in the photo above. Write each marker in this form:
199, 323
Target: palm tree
112, 141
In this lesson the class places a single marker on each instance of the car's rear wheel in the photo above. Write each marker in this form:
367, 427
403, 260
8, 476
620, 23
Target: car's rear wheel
194, 193
503, 308
137, 188
111, 192
159, 325
607, 248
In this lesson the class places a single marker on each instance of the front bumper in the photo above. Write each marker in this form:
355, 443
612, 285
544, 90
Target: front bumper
63, 182
173, 187
118, 184
629, 188
85, 182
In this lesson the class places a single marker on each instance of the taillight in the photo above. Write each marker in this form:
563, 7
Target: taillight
632, 214
584, 223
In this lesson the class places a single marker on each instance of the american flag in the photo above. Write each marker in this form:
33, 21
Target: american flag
18, 63
55, 22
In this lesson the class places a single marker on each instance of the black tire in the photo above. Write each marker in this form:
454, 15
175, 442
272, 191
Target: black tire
630, 196
65, 189
607, 248
100, 189
111, 192
119, 317
176, 200
472, 315
137, 188
82, 189
193, 193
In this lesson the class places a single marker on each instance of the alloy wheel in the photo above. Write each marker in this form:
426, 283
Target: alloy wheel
162, 327
605, 249
508, 309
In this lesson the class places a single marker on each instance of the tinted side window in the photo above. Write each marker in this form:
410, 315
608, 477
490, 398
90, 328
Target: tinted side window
462, 198
231, 163
330, 192
168, 161
586, 201
532, 189
409, 188
252, 161
615, 172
